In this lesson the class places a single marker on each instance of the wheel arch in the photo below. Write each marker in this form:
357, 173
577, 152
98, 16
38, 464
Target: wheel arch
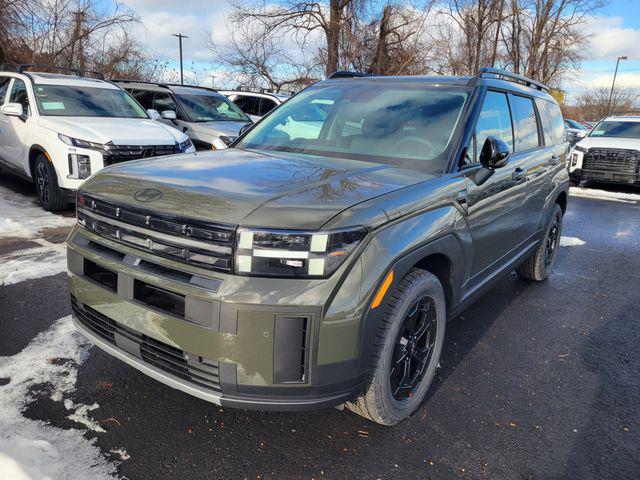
561, 199
34, 151
443, 257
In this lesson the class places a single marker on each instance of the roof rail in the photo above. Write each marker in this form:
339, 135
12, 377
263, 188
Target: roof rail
512, 77
347, 74
23, 68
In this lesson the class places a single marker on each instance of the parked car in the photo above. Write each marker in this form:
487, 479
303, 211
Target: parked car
575, 130
298, 272
256, 104
209, 118
610, 153
56, 130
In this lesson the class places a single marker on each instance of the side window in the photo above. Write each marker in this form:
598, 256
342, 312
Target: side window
266, 106
4, 85
545, 121
525, 123
144, 98
163, 101
494, 121
19, 95
249, 105
557, 123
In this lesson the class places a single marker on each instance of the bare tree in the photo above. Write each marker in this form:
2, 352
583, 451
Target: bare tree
594, 103
258, 58
544, 39
299, 20
71, 33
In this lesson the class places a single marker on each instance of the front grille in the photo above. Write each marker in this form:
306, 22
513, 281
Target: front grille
192, 368
185, 240
122, 153
612, 160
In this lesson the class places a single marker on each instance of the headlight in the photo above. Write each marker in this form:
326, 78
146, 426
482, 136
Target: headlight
79, 166
578, 148
283, 253
186, 145
75, 142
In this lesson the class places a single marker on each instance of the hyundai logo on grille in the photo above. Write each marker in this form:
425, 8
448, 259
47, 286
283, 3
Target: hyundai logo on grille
147, 195
147, 152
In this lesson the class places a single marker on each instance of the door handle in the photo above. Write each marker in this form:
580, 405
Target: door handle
518, 174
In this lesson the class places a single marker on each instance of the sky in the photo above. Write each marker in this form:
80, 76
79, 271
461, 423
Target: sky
615, 32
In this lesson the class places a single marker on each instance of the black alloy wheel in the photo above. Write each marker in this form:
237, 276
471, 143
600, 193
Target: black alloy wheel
553, 240
414, 348
43, 183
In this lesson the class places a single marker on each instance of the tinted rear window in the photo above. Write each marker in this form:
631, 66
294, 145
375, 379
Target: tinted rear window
552, 122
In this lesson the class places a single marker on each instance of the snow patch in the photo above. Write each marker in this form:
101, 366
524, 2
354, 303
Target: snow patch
81, 414
121, 452
33, 263
33, 449
571, 242
604, 195
21, 217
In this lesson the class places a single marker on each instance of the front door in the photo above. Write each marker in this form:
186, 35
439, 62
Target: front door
496, 211
14, 130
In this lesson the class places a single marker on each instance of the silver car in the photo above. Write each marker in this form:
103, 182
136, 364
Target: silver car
210, 119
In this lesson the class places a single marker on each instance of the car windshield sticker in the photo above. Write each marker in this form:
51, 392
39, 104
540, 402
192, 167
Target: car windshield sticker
597, 132
53, 105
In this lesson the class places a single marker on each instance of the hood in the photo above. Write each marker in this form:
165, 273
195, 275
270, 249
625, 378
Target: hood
120, 131
230, 129
609, 142
255, 189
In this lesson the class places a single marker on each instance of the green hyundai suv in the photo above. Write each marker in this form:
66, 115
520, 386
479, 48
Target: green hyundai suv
316, 262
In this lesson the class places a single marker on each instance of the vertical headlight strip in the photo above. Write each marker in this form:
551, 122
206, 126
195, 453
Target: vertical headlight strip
294, 254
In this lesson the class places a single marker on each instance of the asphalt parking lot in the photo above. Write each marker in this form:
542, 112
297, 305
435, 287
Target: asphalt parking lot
536, 380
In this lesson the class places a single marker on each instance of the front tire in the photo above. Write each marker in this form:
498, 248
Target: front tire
407, 350
541, 262
46, 182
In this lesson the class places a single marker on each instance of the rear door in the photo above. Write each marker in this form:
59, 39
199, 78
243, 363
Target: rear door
536, 157
496, 208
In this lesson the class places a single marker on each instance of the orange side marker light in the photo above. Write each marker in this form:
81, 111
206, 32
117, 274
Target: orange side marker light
383, 290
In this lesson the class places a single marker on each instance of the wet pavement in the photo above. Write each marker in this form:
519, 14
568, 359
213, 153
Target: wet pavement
536, 381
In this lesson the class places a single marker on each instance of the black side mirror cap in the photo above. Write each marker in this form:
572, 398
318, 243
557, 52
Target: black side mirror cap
495, 153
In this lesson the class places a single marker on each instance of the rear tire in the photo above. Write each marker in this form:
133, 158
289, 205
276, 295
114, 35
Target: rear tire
540, 264
407, 350
46, 182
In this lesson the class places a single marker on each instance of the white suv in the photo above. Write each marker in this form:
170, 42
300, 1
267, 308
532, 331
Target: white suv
610, 153
57, 130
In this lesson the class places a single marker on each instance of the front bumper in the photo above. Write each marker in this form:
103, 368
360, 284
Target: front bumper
213, 337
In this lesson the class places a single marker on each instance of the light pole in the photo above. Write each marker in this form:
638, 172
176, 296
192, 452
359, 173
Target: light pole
180, 37
613, 85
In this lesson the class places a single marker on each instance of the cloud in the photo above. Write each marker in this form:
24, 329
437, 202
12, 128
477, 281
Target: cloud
609, 39
162, 18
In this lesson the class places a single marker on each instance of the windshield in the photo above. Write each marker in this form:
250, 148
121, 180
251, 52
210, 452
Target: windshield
68, 101
406, 124
211, 108
573, 124
616, 130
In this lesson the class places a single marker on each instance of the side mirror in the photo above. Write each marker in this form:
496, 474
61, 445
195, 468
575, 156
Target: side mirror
12, 109
168, 114
153, 114
495, 153
244, 129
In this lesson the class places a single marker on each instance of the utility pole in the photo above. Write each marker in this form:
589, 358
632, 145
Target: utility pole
180, 37
613, 85
213, 81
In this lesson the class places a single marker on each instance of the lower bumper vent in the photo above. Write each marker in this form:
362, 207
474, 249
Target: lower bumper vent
192, 368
